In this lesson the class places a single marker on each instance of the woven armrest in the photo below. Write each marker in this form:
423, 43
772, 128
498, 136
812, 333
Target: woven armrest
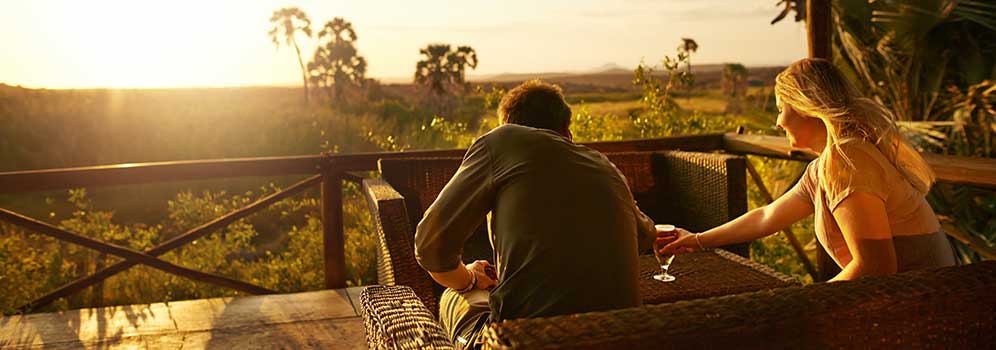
396, 264
949, 307
395, 318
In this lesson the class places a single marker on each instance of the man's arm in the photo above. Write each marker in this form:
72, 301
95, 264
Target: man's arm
461, 207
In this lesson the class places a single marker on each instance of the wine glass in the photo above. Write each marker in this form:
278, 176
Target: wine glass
663, 260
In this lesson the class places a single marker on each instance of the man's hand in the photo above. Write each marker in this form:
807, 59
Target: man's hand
678, 241
486, 277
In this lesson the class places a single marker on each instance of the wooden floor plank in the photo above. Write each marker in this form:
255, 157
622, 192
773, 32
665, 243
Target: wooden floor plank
354, 298
216, 313
322, 319
342, 333
96, 323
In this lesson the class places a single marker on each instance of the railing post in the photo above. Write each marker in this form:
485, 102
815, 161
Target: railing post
332, 226
818, 29
818, 33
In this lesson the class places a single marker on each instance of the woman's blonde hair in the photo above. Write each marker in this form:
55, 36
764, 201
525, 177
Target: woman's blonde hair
815, 88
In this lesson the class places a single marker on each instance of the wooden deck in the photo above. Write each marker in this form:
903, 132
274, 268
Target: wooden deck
311, 320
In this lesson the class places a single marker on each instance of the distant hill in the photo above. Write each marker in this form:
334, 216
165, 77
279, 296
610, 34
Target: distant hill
615, 78
609, 77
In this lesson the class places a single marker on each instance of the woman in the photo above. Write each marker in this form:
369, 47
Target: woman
866, 188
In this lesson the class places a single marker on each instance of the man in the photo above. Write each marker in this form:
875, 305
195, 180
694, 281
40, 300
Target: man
564, 226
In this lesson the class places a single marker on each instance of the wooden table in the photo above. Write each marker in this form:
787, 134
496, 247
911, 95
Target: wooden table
707, 274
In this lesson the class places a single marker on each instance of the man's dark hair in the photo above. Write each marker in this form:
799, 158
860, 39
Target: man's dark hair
535, 104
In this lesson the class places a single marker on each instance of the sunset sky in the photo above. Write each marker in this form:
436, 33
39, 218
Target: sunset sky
97, 43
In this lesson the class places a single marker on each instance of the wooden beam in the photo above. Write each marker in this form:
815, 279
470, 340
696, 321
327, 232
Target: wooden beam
703, 142
972, 171
818, 29
138, 173
764, 145
174, 243
699, 143
130, 255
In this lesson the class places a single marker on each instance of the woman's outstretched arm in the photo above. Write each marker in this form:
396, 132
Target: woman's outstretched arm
755, 224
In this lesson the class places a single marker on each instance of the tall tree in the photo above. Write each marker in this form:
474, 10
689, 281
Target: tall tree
286, 23
797, 6
336, 63
442, 68
734, 85
685, 50
734, 80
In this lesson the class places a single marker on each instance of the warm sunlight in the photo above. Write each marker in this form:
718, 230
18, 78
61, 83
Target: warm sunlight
114, 43
514, 174
144, 44
134, 44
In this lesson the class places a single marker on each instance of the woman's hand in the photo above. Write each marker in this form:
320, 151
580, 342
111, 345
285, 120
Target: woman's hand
486, 277
678, 241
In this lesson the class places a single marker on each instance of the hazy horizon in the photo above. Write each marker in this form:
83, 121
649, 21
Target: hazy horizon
119, 44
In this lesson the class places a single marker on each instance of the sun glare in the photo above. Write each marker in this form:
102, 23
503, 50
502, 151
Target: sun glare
186, 43
143, 44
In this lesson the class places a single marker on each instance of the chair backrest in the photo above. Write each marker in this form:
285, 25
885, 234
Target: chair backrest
704, 190
692, 190
697, 191
420, 180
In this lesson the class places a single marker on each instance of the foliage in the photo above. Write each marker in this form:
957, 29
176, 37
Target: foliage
492, 96
336, 65
278, 248
789, 6
973, 112
904, 52
657, 98
662, 115
286, 23
442, 69
588, 127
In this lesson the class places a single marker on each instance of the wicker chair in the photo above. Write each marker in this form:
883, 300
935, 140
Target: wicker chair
697, 191
951, 307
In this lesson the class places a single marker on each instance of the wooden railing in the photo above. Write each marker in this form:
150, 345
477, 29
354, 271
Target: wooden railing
330, 170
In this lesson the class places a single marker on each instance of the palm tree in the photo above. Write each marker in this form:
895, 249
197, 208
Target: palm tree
904, 52
336, 63
286, 23
688, 47
442, 67
734, 85
797, 6
734, 80
685, 51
